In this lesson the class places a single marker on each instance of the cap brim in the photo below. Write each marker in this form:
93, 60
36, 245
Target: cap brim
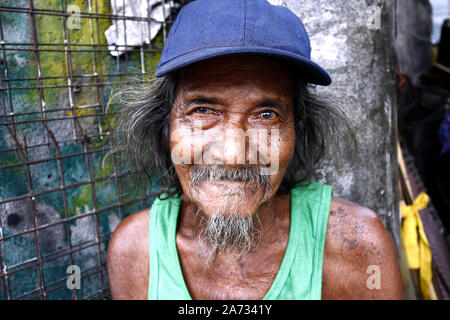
311, 72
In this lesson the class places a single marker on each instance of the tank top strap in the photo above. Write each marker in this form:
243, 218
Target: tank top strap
310, 208
166, 280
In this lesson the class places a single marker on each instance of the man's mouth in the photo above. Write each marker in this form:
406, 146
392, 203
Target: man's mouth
222, 186
226, 182
222, 174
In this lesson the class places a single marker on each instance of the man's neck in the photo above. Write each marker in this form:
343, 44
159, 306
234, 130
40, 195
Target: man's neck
231, 270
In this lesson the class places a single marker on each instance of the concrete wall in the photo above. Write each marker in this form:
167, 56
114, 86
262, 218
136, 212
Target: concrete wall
354, 41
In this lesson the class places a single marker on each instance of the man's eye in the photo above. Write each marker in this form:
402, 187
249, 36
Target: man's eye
203, 110
268, 115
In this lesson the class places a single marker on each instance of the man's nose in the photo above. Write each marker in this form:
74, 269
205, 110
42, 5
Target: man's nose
229, 146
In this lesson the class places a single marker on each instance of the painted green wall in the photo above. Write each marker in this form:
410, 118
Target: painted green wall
50, 207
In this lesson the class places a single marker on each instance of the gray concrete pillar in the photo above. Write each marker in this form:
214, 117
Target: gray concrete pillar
354, 41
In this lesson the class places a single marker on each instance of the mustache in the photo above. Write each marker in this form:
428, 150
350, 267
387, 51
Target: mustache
251, 175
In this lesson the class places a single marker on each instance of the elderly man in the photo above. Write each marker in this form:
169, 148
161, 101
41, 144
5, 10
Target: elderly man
232, 133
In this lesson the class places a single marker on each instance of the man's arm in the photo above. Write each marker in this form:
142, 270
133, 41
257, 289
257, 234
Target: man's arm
360, 260
128, 262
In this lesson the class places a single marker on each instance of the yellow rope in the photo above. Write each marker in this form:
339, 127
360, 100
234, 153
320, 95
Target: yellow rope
415, 241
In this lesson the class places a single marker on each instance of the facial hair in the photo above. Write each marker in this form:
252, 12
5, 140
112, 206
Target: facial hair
233, 232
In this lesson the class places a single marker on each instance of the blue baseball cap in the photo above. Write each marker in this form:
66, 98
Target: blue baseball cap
206, 29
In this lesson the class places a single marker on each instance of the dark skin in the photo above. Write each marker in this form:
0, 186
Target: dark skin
243, 92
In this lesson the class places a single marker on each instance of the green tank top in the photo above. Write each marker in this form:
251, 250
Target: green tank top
300, 273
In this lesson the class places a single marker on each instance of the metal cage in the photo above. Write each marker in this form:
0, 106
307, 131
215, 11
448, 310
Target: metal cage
61, 196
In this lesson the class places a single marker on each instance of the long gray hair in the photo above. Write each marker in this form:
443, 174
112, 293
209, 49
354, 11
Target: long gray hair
142, 133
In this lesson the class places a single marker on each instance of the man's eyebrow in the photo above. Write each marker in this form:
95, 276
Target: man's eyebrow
203, 100
197, 99
274, 103
266, 102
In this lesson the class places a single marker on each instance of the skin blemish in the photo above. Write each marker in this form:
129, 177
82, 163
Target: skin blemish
353, 243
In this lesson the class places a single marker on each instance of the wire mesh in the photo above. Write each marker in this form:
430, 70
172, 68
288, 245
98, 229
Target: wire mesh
60, 195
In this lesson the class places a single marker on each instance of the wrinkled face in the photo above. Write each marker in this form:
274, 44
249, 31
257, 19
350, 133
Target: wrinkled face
232, 132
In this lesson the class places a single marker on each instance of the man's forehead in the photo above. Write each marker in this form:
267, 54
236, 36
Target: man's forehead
238, 71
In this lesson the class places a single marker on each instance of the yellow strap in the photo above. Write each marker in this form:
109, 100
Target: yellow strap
415, 241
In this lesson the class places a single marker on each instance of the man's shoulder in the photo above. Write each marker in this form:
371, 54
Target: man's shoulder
345, 215
357, 244
128, 257
133, 227
352, 226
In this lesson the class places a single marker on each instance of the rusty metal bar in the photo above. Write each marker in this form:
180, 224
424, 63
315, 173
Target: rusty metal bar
62, 86
75, 76
47, 144
17, 122
80, 50
81, 14
36, 194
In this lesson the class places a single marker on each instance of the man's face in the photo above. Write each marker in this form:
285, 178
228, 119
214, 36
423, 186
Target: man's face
232, 116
